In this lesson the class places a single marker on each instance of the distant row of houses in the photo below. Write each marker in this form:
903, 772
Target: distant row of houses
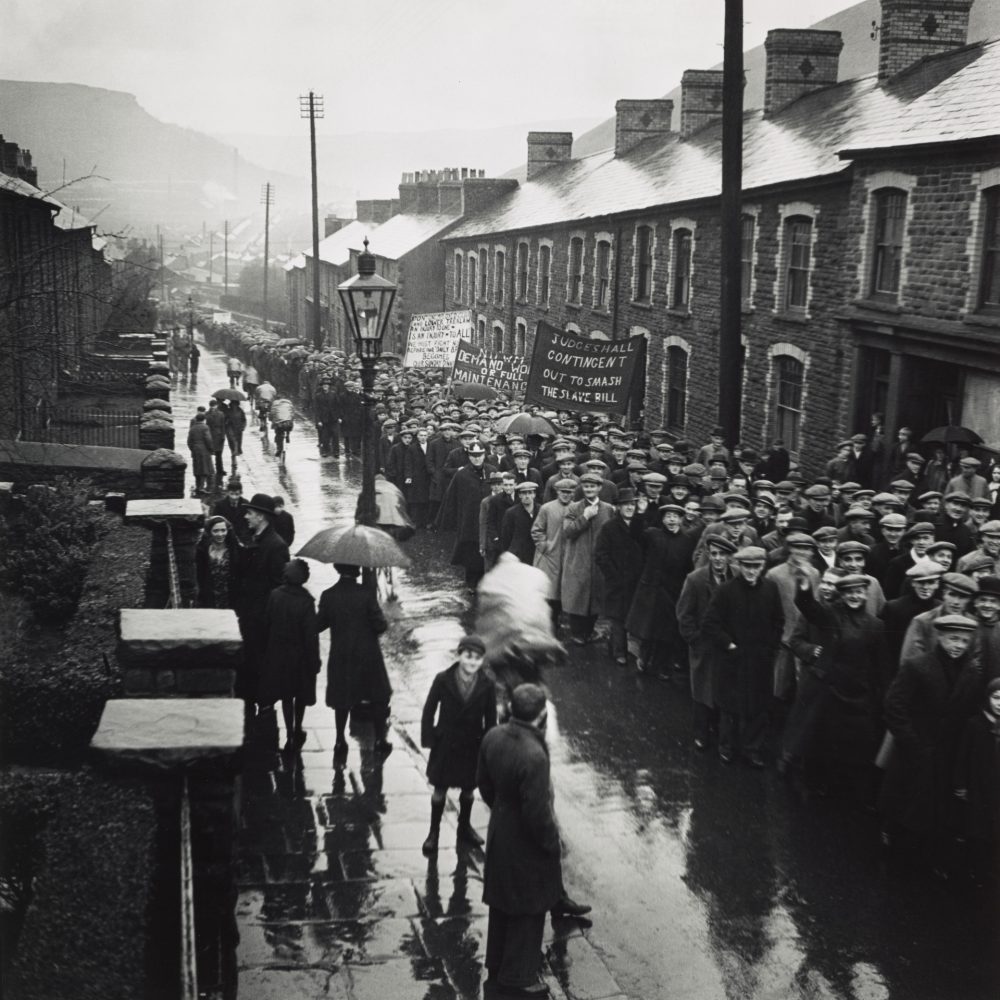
871, 241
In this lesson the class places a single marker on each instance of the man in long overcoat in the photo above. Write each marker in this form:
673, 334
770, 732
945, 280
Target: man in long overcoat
668, 554
547, 535
618, 557
692, 607
199, 442
515, 528
438, 450
523, 876
926, 709
581, 590
460, 513
417, 478
744, 623
261, 567
327, 411
216, 420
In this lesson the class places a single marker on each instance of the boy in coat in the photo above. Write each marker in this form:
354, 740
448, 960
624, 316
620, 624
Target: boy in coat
461, 708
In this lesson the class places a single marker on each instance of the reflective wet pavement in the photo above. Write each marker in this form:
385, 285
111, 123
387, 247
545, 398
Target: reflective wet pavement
706, 881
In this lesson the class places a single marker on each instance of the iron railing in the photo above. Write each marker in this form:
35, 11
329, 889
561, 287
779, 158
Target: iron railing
83, 425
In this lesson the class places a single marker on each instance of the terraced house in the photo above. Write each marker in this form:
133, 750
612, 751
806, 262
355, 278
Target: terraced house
871, 240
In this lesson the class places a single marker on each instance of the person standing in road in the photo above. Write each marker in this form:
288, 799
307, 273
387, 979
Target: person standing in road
199, 442
284, 523
460, 513
291, 655
236, 424
618, 558
327, 419
523, 876
216, 420
547, 534
461, 707
745, 622
515, 528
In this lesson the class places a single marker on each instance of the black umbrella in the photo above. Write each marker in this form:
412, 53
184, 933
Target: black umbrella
229, 394
358, 545
952, 434
473, 390
525, 423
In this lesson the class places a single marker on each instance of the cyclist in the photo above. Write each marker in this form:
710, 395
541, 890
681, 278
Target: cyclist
282, 416
250, 381
234, 369
264, 397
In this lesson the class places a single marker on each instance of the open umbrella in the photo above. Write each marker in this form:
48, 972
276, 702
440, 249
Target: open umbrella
525, 423
358, 545
229, 394
952, 434
473, 390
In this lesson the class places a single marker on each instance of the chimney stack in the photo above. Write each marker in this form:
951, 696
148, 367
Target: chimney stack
546, 148
701, 99
799, 61
911, 30
638, 120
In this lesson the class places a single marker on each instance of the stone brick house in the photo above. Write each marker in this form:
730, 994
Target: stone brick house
626, 242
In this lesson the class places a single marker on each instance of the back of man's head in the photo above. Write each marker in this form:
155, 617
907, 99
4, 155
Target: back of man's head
527, 702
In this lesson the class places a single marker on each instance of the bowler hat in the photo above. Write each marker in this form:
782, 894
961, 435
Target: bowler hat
263, 503
989, 585
626, 495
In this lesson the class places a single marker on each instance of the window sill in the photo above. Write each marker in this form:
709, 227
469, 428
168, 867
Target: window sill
879, 305
800, 318
574, 305
679, 313
641, 305
600, 310
991, 320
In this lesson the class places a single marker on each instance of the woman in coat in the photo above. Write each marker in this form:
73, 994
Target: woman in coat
460, 708
199, 442
215, 562
355, 670
291, 652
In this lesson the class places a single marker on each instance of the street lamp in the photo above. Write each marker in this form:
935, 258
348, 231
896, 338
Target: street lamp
367, 299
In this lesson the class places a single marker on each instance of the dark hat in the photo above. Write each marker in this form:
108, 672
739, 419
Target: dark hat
989, 585
472, 642
765, 500
263, 503
858, 512
234, 483
981, 502
920, 528
740, 498
721, 542
732, 516
914, 456
852, 580
626, 495
785, 486
939, 546
827, 531
956, 497
695, 469
852, 546
712, 503
592, 477
496, 477
850, 487
597, 444
818, 492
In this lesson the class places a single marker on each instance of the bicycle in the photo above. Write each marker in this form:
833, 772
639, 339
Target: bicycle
282, 434
263, 409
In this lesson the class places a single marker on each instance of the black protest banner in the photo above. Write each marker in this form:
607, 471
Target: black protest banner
570, 372
504, 372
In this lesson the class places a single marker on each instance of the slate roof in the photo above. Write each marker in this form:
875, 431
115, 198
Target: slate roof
336, 248
947, 98
402, 233
23, 188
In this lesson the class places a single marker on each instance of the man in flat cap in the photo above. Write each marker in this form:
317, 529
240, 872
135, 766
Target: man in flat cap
923, 581
968, 481
957, 591
745, 622
618, 557
547, 534
926, 709
953, 523
515, 529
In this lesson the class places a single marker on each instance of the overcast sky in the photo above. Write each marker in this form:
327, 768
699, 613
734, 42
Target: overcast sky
387, 65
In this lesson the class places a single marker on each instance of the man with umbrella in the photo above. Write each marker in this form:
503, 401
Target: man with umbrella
460, 513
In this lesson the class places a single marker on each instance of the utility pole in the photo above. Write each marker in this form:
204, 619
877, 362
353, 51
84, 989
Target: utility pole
211, 253
163, 268
730, 311
225, 260
267, 200
311, 107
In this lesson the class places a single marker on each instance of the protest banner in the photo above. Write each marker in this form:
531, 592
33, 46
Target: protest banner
504, 372
570, 372
433, 338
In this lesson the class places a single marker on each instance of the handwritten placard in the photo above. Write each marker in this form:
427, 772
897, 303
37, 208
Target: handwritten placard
433, 338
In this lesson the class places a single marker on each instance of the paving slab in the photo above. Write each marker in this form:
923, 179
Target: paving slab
402, 980
363, 899
179, 638
290, 945
292, 984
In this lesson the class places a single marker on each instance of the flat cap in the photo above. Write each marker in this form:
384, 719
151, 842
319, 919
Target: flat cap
655, 478
956, 497
850, 486
738, 498
929, 495
712, 503
825, 533
592, 477
990, 528
970, 463
858, 512
694, 469
903, 485
960, 582
721, 542
925, 569
751, 554
920, 528
800, 538
565, 484
734, 516
858, 439
676, 508
893, 521
817, 492
852, 546
524, 487
595, 465
852, 580
940, 547
888, 498
955, 623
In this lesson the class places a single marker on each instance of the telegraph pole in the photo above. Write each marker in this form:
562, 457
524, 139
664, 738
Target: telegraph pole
225, 260
311, 107
730, 312
211, 253
267, 200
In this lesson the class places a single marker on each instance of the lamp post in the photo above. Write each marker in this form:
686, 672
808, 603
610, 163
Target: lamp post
367, 300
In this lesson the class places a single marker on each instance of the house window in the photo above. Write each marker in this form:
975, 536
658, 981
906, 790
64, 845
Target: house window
989, 285
643, 263
887, 259
499, 276
520, 338
544, 267
481, 333
482, 273
602, 283
798, 246
472, 279
459, 264
748, 226
788, 378
677, 366
522, 271
498, 339
574, 290
680, 292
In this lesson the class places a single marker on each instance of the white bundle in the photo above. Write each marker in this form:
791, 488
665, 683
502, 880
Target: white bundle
281, 410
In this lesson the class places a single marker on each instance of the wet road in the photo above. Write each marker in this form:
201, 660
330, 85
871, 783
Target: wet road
706, 881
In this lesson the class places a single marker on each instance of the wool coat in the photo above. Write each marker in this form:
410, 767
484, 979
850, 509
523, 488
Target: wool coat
618, 557
582, 587
515, 532
547, 535
977, 770
291, 654
927, 707
437, 455
199, 442
460, 508
750, 617
897, 616
216, 421
452, 727
355, 670
493, 510
523, 858
667, 562
692, 607
207, 597
416, 474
